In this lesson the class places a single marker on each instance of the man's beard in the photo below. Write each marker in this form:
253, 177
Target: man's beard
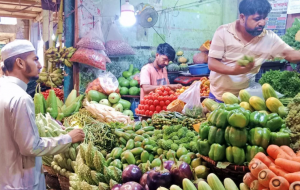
28, 70
255, 31
161, 66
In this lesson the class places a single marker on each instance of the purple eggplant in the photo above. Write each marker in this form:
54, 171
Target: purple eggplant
131, 173
116, 187
179, 171
132, 185
168, 164
143, 180
159, 177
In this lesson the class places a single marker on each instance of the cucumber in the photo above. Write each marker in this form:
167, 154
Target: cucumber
175, 187
130, 144
137, 151
148, 128
202, 185
214, 182
243, 186
117, 153
144, 123
140, 132
144, 156
129, 157
139, 138
188, 185
229, 184
148, 148
137, 144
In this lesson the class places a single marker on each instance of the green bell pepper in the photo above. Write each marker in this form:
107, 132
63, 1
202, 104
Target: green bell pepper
235, 155
216, 135
218, 118
258, 119
280, 138
236, 137
285, 130
251, 151
239, 117
229, 107
203, 147
217, 152
204, 130
274, 122
259, 136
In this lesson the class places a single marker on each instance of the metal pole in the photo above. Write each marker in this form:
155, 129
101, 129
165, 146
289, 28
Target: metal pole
69, 6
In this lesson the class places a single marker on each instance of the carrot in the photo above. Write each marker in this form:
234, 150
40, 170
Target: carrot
296, 159
292, 177
254, 185
262, 157
279, 183
248, 178
288, 151
254, 160
288, 165
295, 186
256, 168
278, 170
265, 176
298, 153
284, 156
271, 159
273, 151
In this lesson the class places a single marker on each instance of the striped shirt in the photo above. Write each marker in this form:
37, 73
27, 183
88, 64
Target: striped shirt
227, 47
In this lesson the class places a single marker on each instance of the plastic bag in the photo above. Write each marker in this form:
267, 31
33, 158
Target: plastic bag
255, 89
193, 107
115, 44
91, 57
94, 39
106, 83
136, 77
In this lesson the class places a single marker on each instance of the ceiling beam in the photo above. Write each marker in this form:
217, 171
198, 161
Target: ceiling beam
16, 4
20, 11
22, 2
17, 16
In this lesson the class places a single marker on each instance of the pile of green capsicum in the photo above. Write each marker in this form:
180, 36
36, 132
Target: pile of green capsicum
234, 134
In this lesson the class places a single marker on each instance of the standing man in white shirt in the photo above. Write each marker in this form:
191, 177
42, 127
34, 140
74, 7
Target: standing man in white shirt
21, 146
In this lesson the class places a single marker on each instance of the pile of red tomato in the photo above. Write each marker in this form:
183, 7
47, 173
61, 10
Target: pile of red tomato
156, 101
58, 92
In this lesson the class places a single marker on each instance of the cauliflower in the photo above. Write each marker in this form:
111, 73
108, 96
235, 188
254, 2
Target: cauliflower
175, 138
190, 134
174, 147
177, 127
159, 136
186, 145
193, 146
167, 129
166, 137
182, 132
160, 143
166, 145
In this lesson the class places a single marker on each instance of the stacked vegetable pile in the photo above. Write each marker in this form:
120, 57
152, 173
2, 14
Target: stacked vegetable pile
55, 107
58, 92
231, 126
174, 118
182, 61
204, 89
129, 82
112, 100
156, 101
279, 170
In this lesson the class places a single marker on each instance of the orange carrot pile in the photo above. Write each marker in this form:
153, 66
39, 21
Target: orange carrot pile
280, 170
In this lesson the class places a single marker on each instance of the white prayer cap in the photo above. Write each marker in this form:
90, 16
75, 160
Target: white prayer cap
16, 47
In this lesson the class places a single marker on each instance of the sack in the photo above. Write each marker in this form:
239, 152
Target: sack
91, 57
94, 39
192, 98
115, 44
106, 83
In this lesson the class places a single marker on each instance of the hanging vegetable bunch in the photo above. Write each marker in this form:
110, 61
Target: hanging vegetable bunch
52, 75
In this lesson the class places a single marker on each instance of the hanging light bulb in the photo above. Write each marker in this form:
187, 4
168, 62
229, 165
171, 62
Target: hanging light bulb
53, 37
127, 17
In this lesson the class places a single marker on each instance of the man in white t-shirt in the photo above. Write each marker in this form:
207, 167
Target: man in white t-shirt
245, 36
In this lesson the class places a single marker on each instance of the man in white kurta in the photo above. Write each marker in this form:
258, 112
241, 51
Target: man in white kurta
21, 146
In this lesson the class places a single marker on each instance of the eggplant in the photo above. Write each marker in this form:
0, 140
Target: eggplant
143, 180
132, 185
179, 171
168, 164
159, 177
131, 173
116, 187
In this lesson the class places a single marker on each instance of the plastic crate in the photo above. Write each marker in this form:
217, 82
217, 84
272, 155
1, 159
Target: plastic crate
134, 104
199, 69
267, 66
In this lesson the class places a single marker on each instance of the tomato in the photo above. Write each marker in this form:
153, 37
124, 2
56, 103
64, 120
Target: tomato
146, 102
165, 93
162, 103
171, 92
145, 97
137, 111
150, 113
159, 92
165, 108
167, 102
141, 107
151, 93
142, 102
142, 112
146, 107
158, 109
167, 89
172, 97
155, 112
166, 98
150, 97
150, 102
147, 112
152, 108
155, 102
160, 98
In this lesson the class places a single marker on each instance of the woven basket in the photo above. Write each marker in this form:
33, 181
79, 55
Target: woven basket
52, 182
49, 170
235, 172
63, 182
178, 106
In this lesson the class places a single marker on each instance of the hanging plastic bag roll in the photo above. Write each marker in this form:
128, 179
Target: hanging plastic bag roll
115, 44
192, 98
94, 39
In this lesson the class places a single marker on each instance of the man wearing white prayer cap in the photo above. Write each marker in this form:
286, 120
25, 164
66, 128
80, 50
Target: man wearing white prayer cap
21, 146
